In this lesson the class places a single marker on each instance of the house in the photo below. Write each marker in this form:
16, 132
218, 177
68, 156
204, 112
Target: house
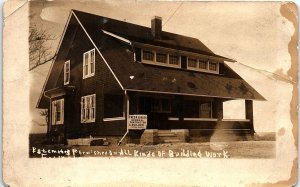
107, 70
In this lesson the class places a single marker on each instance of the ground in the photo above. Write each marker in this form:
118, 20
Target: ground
264, 148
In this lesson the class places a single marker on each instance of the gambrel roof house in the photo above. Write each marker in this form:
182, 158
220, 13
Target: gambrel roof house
106, 70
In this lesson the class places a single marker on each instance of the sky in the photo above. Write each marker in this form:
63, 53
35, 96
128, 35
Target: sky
254, 34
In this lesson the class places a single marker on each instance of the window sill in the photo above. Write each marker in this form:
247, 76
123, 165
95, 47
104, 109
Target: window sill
60, 123
193, 119
90, 121
160, 64
242, 120
88, 76
114, 119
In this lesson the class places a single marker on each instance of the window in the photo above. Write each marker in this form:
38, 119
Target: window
174, 60
202, 65
161, 105
197, 109
162, 58
212, 66
88, 108
205, 110
67, 72
113, 106
89, 64
58, 112
192, 63
148, 55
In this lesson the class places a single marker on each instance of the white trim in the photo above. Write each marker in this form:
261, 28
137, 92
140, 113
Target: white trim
49, 72
97, 50
114, 119
173, 119
242, 120
200, 119
174, 93
83, 102
53, 114
89, 62
68, 62
116, 36
154, 62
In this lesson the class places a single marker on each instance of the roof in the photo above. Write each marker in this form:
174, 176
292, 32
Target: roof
142, 34
149, 78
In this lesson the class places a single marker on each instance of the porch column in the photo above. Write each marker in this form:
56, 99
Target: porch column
219, 109
249, 113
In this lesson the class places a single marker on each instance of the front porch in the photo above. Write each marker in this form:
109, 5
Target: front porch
199, 118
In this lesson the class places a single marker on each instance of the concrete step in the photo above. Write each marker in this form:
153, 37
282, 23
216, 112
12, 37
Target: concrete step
166, 135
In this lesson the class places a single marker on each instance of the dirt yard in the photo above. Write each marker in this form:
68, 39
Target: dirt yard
237, 149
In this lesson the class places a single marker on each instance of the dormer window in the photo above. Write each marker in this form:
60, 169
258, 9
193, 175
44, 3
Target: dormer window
169, 58
160, 57
202, 64
192, 62
148, 55
89, 64
174, 60
212, 66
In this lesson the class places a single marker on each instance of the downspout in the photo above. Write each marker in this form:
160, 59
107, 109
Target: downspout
126, 117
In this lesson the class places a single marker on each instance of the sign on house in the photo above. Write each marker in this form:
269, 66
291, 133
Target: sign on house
136, 122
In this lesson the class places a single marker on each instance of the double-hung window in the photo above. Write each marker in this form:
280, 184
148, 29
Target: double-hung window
89, 64
57, 112
67, 72
88, 108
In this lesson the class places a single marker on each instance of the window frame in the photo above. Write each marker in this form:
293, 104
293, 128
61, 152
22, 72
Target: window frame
86, 108
67, 63
87, 66
211, 109
155, 62
54, 111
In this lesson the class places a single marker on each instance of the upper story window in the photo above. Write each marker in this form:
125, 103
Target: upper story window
160, 57
88, 108
67, 72
212, 66
148, 55
205, 110
192, 62
170, 59
89, 64
202, 65
57, 112
173, 59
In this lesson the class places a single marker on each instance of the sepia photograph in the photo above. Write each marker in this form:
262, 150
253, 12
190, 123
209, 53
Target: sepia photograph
166, 82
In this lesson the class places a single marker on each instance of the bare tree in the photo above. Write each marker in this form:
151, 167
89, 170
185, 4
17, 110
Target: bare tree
40, 46
45, 113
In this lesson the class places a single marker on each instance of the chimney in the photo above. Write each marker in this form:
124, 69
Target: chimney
156, 27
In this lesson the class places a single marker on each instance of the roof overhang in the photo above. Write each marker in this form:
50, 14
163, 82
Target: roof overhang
59, 91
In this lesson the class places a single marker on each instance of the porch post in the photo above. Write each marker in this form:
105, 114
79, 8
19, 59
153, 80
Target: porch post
249, 113
219, 109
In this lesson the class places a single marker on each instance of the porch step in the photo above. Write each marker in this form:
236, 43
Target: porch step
166, 135
170, 136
